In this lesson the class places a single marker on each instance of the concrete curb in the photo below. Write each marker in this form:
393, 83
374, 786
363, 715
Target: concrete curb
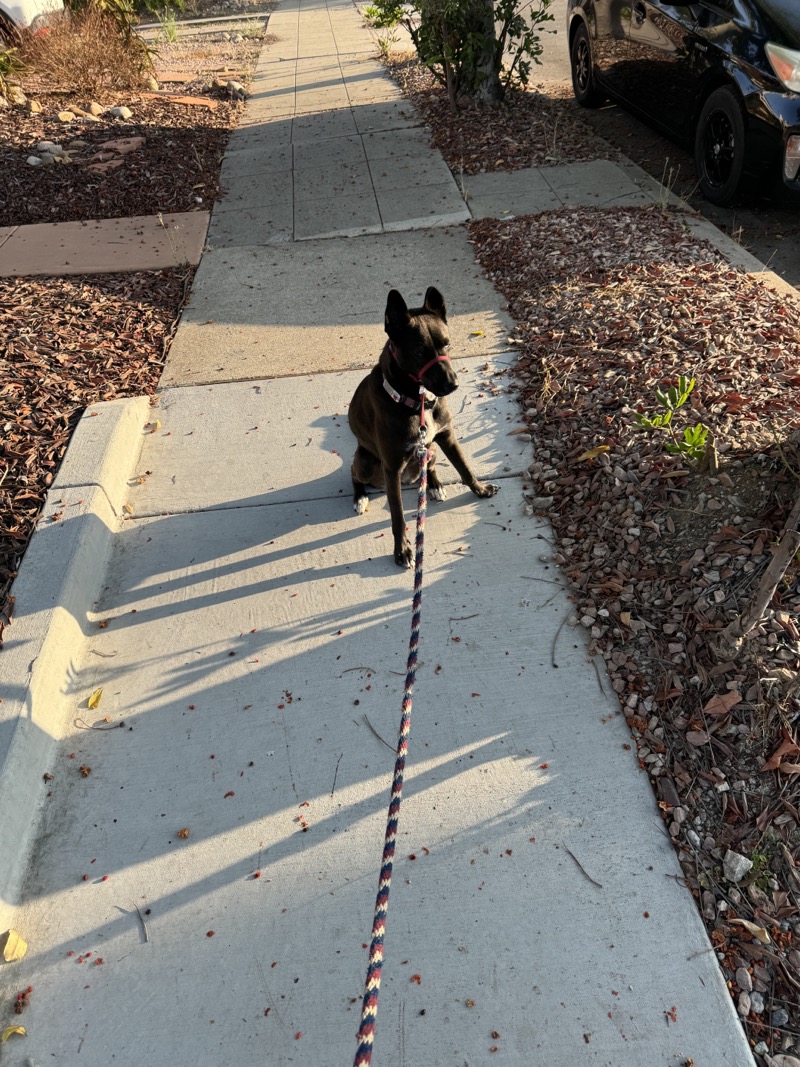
58, 582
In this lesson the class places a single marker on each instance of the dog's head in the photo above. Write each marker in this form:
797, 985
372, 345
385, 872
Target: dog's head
420, 341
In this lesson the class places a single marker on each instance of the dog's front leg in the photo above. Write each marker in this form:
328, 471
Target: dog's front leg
452, 450
402, 546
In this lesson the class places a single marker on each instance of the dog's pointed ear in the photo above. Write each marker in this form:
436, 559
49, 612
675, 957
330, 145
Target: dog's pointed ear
434, 302
396, 312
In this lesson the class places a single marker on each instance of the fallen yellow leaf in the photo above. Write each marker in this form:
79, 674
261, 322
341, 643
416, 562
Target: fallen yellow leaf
759, 932
14, 948
625, 618
127, 509
9, 1030
593, 453
477, 333
94, 699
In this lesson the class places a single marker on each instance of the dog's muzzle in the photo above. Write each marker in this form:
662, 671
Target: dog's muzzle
423, 370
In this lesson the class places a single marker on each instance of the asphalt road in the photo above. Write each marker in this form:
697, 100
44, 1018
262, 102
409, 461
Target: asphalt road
770, 231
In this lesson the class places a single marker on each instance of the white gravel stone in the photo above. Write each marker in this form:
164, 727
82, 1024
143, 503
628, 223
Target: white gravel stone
735, 866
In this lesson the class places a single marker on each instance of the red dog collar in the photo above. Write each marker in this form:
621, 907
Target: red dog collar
418, 376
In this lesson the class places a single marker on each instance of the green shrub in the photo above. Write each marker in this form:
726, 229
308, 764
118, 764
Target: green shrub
464, 42
11, 67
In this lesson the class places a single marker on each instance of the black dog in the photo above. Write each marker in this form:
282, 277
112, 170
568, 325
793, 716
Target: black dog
385, 412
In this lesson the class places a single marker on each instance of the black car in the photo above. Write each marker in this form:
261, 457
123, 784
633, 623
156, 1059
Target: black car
723, 76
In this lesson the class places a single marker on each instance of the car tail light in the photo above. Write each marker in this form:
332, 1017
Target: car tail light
786, 64
791, 159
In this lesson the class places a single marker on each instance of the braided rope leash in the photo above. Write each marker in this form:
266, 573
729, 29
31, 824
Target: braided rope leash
369, 1007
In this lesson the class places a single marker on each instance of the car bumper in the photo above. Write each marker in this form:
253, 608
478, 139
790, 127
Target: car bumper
775, 137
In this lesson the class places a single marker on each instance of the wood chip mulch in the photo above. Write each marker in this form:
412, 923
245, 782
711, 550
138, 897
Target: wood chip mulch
177, 167
69, 342
659, 558
610, 306
64, 346
531, 128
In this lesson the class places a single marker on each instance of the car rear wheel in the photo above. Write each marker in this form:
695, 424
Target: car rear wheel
720, 147
583, 83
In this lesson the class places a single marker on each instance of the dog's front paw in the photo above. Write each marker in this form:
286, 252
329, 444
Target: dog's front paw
438, 492
484, 489
361, 504
403, 556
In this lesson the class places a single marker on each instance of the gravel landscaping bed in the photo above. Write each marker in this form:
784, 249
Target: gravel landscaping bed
67, 343
175, 161
660, 557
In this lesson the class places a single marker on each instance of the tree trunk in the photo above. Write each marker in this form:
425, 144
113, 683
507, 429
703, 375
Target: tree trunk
485, 83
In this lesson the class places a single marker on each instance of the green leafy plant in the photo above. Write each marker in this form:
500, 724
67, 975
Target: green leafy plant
387, 19
464, 42
11, 68
692, 442
254, 30
168, 25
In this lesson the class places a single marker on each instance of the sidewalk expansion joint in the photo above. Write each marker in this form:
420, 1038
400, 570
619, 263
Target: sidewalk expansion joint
345, 496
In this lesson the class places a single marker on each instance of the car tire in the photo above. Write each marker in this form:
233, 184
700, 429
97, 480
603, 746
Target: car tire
580, 57
720, 147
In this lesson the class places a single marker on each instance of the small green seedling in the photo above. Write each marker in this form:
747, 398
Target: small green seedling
692, 443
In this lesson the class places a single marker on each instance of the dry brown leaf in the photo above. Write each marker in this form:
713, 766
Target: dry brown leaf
721, 703
760, 933
787, 747
698, 737
593, 453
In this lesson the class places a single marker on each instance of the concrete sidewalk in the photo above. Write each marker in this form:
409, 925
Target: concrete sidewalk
198, 881
143, 242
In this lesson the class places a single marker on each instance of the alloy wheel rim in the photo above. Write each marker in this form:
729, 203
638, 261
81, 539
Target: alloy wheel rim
719, 149
582, 66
